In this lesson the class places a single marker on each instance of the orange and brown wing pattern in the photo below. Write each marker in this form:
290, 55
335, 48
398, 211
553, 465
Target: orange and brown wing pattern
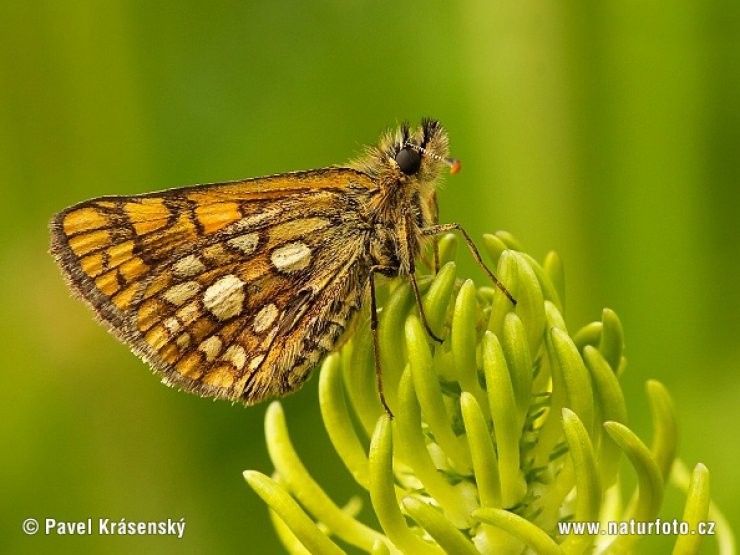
230, 290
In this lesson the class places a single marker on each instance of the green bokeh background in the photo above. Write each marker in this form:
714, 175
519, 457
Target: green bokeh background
608, 131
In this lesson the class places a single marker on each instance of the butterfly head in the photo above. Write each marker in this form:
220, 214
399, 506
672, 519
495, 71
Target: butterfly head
421, 152
427, 146
409, 155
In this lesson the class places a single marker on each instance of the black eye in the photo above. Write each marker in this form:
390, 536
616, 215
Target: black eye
408, 160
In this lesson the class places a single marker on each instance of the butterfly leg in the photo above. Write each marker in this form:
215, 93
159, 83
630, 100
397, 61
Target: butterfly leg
434, 207
435, 212
417, 294
415, 286
437, 229
374, 330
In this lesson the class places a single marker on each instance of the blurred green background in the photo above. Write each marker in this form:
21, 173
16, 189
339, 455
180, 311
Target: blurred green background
608, 131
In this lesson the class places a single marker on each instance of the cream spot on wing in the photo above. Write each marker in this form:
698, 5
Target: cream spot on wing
189, 266
254, 220
225, 298
246, 243
291, 257
173, 325
211, 347
188, 313
256, 361
183, 341
265, 317
178, 294
236, 355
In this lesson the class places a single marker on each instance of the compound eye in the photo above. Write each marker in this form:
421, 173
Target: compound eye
408, 160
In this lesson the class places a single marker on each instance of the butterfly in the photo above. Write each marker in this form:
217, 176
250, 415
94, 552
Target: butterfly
236, 290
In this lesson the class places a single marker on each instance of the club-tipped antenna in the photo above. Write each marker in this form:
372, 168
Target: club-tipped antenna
453, 163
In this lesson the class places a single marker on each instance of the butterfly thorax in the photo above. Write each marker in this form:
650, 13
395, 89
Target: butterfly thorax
398, 213
402, 205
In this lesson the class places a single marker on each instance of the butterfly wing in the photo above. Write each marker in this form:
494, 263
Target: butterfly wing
230, 290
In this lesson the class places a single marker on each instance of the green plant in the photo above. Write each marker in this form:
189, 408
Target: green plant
504, 432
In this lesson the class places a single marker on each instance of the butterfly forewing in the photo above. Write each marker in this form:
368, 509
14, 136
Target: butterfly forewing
231, 290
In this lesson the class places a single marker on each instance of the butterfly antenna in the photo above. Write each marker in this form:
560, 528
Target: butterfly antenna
453, 163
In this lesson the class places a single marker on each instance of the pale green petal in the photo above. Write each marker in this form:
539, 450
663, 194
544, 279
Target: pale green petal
304, 529
305, 489
383, 496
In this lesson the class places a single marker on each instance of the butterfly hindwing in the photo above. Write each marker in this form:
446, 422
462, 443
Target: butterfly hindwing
230, 290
